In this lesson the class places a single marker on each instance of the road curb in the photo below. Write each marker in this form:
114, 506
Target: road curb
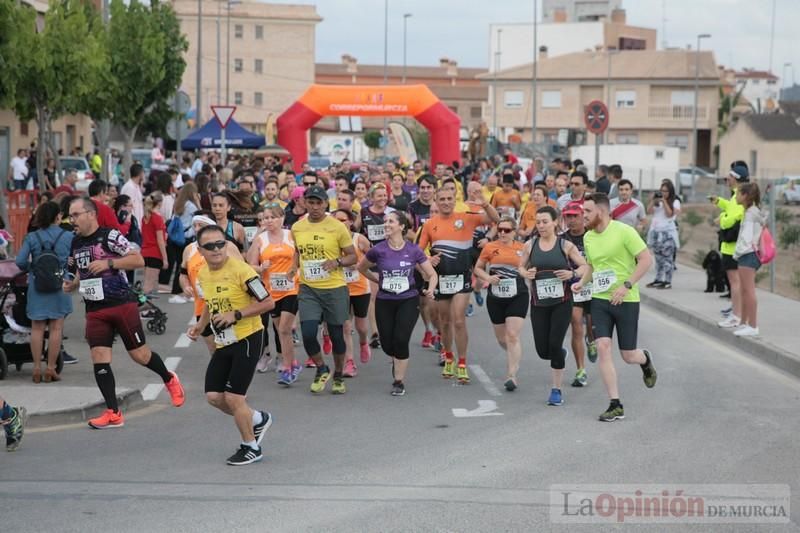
758, 348
127, 400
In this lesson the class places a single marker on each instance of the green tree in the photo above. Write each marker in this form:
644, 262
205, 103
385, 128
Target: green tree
422, 141
372, 139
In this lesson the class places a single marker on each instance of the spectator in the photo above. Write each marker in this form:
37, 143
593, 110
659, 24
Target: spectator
154, 241
133, 189
68, 184
662, 237
602, 184
19, 169
615, 176
49, 173
749, 197
186, 205
164, 186
106, 218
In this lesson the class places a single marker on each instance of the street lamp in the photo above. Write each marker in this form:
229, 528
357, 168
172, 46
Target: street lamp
405, 43
494, 85
535, 76
199, 91
694, 108
229, 3
385, 63
611, 51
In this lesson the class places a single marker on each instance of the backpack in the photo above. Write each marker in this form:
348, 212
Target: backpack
46, 267
765, 250
134, 233
175, 231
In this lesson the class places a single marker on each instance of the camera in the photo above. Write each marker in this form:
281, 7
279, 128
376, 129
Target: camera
658, 194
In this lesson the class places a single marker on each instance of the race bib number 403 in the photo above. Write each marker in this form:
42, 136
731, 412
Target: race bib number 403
92, 289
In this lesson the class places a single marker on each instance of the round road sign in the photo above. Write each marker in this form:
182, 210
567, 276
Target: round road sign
596, 117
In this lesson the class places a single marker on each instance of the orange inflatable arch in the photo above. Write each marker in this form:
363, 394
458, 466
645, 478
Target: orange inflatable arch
371, 100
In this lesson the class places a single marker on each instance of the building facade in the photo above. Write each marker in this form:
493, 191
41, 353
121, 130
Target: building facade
271, 51
769, 143
578, 10
760, 88
650, 95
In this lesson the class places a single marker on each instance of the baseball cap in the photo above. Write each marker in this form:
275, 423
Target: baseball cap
740, 173
297, 192
315, 192
572, 208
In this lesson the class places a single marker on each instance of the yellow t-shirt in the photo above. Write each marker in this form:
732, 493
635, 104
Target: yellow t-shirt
488, 193
333, 205
317, 242
226, 290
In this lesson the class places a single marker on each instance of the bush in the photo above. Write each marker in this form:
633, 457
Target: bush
373, 139
790, 236
795, 281
783, 216
692, 217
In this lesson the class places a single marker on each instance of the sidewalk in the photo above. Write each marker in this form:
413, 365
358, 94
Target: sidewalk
778, 317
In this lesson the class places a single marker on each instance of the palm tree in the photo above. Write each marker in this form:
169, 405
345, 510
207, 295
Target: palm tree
727, 103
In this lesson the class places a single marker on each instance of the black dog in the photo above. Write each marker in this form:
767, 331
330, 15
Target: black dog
715, 276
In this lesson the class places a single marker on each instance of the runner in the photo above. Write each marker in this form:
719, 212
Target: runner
397, 306
324, 246
449, 235
577, 189
359, 288
248, 202
479, 240
235, 299
272, 255
618, 258
507, 298
372, 227
221, 208
13, 421
626, 208
581, 308
547, 265
101, 256
191, 264
420, 211
507, 200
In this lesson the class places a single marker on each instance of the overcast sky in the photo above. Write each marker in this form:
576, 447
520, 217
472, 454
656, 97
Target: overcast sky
458, 29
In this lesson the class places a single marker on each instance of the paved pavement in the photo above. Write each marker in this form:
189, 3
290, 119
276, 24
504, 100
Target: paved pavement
367, 461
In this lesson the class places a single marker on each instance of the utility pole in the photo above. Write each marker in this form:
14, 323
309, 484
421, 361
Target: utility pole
199, 91
219, 55
405, 44
694, 108
494, 86
535, 77
385, 66
228, 57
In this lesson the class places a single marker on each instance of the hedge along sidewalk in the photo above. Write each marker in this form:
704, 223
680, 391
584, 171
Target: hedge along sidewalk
778, 317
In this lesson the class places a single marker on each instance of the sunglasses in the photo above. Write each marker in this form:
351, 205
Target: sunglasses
505, 230
309, 184
211, 246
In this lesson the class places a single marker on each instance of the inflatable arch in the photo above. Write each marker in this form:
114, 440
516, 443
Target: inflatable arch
371, 100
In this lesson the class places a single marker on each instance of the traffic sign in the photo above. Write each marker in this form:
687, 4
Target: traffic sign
223, 114
181, 103
173, 128
596, 117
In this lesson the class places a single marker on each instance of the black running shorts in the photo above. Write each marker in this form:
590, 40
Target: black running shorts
287, 304
624, 318
360, 305
501, 308
232, 367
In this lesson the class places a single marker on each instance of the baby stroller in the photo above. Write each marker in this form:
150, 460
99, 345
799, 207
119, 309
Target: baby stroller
156, 318
15, 327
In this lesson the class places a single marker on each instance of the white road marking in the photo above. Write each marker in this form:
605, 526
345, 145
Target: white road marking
151, 391
485, 408
485, 380
183, 341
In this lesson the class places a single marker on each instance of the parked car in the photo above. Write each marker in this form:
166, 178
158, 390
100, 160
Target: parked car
685, 175
81, 165
789, 192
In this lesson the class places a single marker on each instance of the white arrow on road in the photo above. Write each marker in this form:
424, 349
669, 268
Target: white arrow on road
485, 408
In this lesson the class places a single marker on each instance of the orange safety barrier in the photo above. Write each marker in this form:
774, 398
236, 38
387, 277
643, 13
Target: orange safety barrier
21, 205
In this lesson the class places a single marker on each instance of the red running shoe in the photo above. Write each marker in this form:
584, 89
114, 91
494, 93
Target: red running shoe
109, 419
427, 340
175, 390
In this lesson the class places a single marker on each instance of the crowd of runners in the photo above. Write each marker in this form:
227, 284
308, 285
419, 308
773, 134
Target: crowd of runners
365, 251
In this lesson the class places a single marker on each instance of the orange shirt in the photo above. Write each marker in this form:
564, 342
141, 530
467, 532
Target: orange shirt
502, 260
528, 218
281, 259
451, 236
501, 198
193, 265
357, 284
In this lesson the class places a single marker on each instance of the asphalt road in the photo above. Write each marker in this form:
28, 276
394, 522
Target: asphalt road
367, 461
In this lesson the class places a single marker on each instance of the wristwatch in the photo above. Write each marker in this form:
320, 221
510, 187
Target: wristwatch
628, 285
237, 315
339, 261
111, 264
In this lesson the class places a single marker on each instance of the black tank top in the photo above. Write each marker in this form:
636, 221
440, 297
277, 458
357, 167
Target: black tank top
546, 263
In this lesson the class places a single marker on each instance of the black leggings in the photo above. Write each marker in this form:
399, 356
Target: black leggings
550, 325
396, 320
265, 322
173, 271
310, 328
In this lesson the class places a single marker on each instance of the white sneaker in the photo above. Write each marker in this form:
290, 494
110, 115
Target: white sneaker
730, 322
177, 299
263, 363
746, 331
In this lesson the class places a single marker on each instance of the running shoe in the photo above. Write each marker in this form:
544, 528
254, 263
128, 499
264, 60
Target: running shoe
259, 430
398, 389
555, 397
320, 380
470, 311
746, 331
726, 312
654, 284
461, 372
68, 359
427, 340
731, 322
591, 350
375, 341
437, 343
15, 428
310, 363
109, 419
295, 338
449, 366
649, 374
665, 285
614, 412
338, 386
510, 385
580, 378
263, 362
327, 345
296, 369
177, 299
479, 298
442, 358
366, 353
175, 389
245, 455
350, 369
285, 377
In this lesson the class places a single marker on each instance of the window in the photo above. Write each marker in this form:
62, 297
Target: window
453, 108
475, 112
756, 82
259, 66
551, 99
682, 98
237, 98
238, 31
627, 138
237, 65
23, 129
679, 140
259, 32
258, 99
625, 99
513, 98
771, 82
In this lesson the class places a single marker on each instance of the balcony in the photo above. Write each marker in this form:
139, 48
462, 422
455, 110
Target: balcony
676, 112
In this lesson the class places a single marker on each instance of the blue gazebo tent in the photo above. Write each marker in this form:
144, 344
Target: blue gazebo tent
209, 136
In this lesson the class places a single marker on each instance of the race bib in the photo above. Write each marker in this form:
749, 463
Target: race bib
549, 288
313, 271
507, 288
584, 295
224, 337
376, 232
280, 282
250, 233
395, 284
451, 284
92, 289
603, 280
351, 275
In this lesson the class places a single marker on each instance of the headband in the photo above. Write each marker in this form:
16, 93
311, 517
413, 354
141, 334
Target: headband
203, 220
